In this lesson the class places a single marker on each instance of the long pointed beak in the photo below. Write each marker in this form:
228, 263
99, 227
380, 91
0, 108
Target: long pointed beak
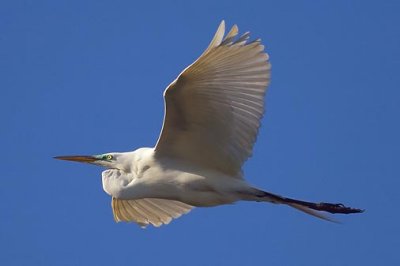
77, 158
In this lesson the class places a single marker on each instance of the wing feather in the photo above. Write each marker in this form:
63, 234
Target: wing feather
213, 109
148, 211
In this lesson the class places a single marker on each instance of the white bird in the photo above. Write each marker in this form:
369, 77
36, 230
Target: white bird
212, 116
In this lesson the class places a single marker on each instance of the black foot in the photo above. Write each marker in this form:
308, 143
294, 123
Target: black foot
335, 208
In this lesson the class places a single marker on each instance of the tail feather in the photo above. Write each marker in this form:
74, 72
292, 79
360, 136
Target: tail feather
312, 212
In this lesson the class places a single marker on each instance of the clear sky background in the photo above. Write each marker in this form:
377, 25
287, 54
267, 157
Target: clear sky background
86, 77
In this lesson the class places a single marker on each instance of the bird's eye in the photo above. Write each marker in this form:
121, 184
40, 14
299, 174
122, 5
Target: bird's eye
108, 157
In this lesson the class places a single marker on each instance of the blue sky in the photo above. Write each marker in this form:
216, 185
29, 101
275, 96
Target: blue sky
87, 78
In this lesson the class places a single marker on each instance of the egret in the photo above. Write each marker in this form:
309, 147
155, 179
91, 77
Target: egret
211, 121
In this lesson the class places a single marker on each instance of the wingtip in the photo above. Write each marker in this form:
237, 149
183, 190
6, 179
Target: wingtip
235, 28
218, 37
221, 27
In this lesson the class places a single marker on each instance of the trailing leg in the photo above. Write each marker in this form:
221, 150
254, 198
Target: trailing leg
311, 208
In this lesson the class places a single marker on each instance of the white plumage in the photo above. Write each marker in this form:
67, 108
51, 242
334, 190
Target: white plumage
212, 116
145, 211
214, 107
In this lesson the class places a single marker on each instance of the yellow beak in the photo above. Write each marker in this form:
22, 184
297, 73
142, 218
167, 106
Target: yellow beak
77, 158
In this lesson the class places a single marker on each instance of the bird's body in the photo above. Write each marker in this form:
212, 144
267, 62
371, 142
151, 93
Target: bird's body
212, 116
174, 179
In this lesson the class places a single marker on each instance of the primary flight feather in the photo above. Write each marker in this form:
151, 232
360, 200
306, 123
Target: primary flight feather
212, 116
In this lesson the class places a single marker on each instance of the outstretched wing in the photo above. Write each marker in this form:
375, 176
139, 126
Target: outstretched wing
148, 211
213, 109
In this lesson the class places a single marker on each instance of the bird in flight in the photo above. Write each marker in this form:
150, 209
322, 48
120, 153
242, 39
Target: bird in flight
211, 120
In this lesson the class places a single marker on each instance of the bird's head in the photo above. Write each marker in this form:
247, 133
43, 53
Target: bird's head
108, 160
